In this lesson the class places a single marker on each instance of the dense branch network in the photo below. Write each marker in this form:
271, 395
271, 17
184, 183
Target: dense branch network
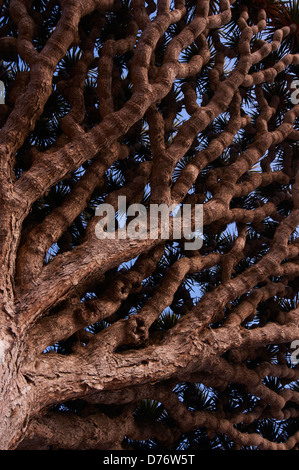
163, 103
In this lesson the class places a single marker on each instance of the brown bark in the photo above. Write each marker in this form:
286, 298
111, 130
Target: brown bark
42, 304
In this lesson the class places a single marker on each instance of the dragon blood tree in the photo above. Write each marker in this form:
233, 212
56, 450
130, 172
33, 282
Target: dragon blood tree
140, 343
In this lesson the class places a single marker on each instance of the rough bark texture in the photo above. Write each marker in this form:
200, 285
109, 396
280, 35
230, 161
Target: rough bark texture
161, 102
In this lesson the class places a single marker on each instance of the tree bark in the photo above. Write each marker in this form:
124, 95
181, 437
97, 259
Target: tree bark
118, 135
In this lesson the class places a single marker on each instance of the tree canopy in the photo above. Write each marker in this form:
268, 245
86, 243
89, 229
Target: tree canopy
144, 344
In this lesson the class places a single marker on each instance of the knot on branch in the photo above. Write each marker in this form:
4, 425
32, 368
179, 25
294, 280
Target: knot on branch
87, 313
120, 291
136, 330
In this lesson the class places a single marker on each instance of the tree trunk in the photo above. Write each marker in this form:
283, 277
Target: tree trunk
128, 342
